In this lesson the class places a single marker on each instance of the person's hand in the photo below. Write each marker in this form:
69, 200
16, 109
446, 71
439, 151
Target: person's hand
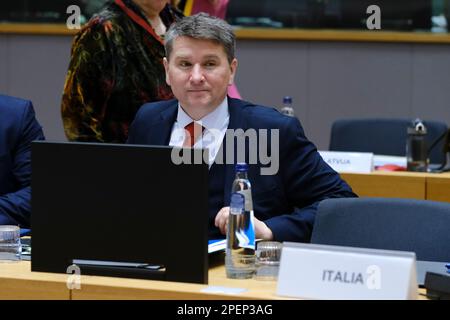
262, 231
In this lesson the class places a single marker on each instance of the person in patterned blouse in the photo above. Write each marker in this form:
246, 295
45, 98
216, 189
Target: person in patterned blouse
116, 66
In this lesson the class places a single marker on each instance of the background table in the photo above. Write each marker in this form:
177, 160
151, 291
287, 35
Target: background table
410, 185
18, 282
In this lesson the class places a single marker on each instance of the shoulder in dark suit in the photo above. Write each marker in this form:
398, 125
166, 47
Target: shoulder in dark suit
18, 127
285, 200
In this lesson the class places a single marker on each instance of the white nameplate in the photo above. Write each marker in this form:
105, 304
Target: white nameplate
360, 162
381, 160
330, 272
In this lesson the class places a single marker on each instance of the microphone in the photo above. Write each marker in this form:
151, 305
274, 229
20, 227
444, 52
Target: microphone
446, 150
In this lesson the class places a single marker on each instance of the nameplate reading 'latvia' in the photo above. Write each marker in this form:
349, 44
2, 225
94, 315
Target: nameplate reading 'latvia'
359, 162
331, 272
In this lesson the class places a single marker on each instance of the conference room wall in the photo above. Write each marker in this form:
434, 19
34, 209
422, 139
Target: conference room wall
3, 64
35, 69
431, 87
328, 80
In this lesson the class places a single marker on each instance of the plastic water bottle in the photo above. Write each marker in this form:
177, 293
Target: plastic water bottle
416, 147
240, 259
287, 107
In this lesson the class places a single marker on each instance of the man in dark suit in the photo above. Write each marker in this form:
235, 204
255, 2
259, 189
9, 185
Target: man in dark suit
18, 127
200, 64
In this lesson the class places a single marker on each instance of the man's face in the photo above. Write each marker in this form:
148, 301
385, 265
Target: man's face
199, 73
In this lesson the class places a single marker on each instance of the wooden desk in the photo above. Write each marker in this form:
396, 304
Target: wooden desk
116, 288
18, 282
438, 187
410, 185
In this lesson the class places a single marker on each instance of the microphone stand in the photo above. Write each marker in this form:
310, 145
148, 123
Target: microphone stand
445, 149
446, 166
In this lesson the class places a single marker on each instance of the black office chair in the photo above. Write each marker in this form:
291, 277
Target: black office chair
383, 136
380, 223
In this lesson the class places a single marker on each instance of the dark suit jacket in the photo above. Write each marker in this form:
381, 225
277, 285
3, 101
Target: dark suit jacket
286, 201
18, 127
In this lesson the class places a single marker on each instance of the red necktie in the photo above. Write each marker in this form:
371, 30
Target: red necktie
193, 130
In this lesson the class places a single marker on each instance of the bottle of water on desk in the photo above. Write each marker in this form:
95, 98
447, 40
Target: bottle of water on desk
287, 108
240, 256
416, 147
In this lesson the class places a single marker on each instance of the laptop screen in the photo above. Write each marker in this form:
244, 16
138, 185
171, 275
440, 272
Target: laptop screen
120, 204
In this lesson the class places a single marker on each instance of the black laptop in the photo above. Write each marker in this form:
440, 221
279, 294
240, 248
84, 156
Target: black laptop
119, 210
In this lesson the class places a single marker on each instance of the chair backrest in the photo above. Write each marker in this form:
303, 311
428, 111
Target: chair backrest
380, 223
382, 136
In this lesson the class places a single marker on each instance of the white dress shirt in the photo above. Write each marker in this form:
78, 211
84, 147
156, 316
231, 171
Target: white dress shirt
215, 124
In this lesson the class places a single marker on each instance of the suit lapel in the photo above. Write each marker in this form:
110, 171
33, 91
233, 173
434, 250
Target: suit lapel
237, 121
161, 129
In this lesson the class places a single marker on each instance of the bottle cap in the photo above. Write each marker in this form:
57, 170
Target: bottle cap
241, 167
417, 128
237, 202
287, 99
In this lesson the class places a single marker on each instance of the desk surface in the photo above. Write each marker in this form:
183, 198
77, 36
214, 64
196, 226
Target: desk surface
116, 288
408, 174
410, 185
18, 282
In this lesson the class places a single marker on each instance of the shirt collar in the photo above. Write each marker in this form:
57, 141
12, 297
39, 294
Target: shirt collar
213, 120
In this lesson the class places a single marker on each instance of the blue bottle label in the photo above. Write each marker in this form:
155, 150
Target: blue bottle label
248, 199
